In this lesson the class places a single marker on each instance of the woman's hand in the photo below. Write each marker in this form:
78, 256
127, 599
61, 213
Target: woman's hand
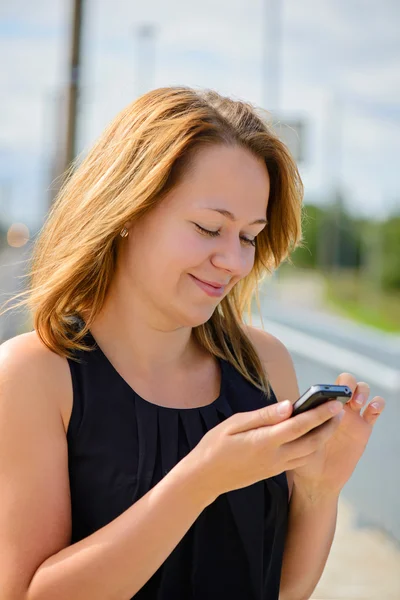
331, 466
259, 444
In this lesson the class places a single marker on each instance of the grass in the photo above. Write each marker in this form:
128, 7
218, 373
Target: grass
354, 297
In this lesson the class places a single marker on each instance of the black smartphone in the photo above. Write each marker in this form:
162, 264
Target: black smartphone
318, 394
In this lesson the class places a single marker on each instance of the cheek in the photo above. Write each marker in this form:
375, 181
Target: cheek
170, 253
183, 250
249, 263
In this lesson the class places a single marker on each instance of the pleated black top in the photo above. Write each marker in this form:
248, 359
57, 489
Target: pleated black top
121, 445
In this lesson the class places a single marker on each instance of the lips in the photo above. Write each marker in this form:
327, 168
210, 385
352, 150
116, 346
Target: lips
213, 283
211, 289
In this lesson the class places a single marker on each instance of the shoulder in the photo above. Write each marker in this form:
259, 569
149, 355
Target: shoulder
277, 362
28, 353
25, 360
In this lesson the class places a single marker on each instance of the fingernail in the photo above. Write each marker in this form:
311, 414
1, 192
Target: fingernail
376, 405
283, 407
360, 399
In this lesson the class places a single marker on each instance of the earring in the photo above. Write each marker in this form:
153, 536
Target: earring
124, 232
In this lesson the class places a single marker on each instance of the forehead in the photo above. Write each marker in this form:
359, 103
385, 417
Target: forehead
227, 177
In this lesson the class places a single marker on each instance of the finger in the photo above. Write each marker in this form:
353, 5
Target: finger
374, 410
301, 424
347, 379
261, 417
313, 440
360, 396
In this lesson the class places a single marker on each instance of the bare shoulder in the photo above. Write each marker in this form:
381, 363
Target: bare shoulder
35, 509
277, 361
26, 356
268, 346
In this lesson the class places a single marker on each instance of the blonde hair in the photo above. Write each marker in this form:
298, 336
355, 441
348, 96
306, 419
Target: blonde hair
138, 159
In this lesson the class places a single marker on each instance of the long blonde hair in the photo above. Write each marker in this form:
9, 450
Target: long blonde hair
138, 159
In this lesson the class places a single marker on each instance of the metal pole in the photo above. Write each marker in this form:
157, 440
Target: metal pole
65, 132
74, 80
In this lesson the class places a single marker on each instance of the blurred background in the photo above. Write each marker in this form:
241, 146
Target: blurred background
328, 72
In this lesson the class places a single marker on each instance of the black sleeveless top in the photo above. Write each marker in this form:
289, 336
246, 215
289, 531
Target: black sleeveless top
121, 445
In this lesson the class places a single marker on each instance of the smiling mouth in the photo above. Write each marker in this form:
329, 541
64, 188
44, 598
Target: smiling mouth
212, 283
210, 289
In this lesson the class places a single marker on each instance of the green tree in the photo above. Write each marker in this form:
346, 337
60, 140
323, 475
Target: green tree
331, 238
391, 252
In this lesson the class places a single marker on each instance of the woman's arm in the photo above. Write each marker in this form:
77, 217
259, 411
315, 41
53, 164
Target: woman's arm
117, 560
312, 522
311, 528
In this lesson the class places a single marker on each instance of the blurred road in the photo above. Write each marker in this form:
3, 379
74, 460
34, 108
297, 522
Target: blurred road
298, 303
363, 564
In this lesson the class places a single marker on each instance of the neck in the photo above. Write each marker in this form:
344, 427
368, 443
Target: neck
140, 337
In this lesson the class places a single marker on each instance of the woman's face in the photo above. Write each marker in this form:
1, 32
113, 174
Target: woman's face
167, 252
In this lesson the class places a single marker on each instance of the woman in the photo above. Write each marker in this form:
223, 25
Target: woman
146, 445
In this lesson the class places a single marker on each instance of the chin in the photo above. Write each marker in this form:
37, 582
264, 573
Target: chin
196, 318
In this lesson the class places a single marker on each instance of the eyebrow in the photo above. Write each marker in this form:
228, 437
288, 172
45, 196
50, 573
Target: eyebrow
231, 216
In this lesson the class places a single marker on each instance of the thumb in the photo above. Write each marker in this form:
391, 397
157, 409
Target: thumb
267, 415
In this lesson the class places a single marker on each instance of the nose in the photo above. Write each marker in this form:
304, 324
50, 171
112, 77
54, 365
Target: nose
234, 258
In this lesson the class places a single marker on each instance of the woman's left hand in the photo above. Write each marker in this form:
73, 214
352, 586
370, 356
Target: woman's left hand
332, 465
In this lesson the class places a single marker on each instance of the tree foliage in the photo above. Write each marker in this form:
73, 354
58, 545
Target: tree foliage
333, 239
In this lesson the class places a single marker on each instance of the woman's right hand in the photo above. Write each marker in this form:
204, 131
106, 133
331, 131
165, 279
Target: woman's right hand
251, 446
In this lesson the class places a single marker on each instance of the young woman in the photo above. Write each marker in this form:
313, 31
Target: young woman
144, 448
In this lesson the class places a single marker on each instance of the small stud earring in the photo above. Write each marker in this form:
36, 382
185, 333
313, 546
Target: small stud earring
124, 232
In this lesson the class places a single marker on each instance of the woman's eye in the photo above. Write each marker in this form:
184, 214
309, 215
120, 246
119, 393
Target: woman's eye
246, 241
207, 231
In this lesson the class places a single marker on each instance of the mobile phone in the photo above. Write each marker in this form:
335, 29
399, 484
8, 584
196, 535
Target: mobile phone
318, 394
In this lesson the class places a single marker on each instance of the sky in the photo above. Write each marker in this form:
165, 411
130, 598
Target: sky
336, 66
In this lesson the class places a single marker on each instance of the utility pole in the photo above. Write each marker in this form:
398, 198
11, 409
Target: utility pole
68, 103
74, 81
